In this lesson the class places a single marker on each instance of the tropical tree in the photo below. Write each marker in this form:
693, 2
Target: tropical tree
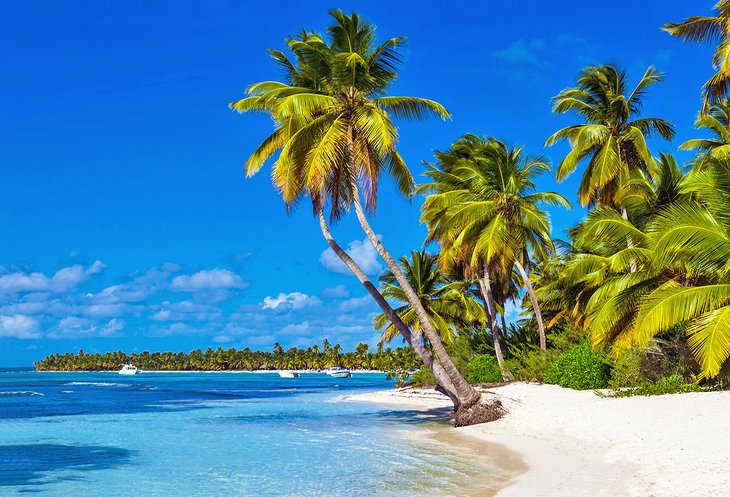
448, 304
717, 121
715, 29
335, 138
612, 141
483, 208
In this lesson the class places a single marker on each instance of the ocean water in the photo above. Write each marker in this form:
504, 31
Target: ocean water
214, 434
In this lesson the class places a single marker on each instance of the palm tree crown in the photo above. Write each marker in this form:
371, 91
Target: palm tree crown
333, 124
613, 138
448, 306
717, 121
701, 29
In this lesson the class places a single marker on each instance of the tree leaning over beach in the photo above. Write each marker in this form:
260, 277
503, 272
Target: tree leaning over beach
335, 139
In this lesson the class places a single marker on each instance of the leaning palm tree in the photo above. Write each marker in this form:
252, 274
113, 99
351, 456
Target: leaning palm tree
717, 121
710, 29
335, 139
612, 141
483, 208
449, 307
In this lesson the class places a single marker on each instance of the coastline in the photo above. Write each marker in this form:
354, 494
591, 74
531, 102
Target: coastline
231, 371
576, 443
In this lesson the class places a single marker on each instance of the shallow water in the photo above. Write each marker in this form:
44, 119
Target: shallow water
206, 434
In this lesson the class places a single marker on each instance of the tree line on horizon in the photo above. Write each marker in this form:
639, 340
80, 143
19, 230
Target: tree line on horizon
386, 359
648, 266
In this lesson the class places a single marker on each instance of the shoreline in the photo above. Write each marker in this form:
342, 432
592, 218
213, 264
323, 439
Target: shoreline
576, 443
230, 371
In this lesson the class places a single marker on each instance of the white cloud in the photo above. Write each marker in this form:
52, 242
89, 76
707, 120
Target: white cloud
357, 303
336, 292
186, 311
294, 300
136, 290
207, 280
19, 326
78, 327
63, 280
362, 252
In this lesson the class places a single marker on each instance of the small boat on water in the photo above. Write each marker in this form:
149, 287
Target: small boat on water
338, 372
288, 374
129, 369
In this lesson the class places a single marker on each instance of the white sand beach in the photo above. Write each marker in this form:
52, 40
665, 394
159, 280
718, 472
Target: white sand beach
576, 443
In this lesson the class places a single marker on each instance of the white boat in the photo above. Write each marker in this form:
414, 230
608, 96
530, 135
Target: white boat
338, 372
129, 369
288, 374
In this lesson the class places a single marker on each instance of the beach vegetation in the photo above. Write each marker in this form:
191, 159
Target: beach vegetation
484, 368
579, 368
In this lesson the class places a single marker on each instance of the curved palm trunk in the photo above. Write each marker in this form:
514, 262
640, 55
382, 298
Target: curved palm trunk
485, 287
535, 305
445, 384
468, 396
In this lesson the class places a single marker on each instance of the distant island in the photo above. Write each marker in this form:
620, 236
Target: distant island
312, 358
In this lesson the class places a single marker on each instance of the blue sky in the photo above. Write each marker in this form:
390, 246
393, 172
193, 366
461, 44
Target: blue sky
125, 218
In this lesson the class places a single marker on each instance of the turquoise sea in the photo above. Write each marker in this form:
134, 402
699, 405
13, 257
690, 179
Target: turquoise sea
215, 434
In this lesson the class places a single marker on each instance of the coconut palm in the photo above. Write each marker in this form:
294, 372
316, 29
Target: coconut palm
449, 306
717, 121
694, 236
612, 141
715, 29
483, 209
335, 138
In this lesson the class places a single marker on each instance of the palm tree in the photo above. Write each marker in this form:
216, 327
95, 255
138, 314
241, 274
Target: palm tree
694, 236
449, 307
483, 209
717, 121
613, 138
710, 29
334, 137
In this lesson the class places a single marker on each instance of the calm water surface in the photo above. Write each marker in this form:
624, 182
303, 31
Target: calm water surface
210, 434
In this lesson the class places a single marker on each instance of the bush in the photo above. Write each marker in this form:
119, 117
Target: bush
630, 370
671, 384
579, 368
400, 376
483, 368
530, 363
422, 376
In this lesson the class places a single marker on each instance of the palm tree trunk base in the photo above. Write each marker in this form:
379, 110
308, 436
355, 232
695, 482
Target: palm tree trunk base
481, 412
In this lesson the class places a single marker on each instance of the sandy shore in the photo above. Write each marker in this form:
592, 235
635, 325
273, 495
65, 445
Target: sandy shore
578, 444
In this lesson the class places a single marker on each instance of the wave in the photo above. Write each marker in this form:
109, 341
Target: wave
98, 384
21, 393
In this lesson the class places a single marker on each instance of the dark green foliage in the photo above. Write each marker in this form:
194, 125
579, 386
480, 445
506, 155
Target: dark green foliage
668, 385
422, 377
483, 368
529, 363
315, 357
579, 368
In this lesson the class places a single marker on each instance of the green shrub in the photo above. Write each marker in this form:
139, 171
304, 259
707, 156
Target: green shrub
422, 377
579, 368
671, 384
630, 370
530, 363
483, 368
